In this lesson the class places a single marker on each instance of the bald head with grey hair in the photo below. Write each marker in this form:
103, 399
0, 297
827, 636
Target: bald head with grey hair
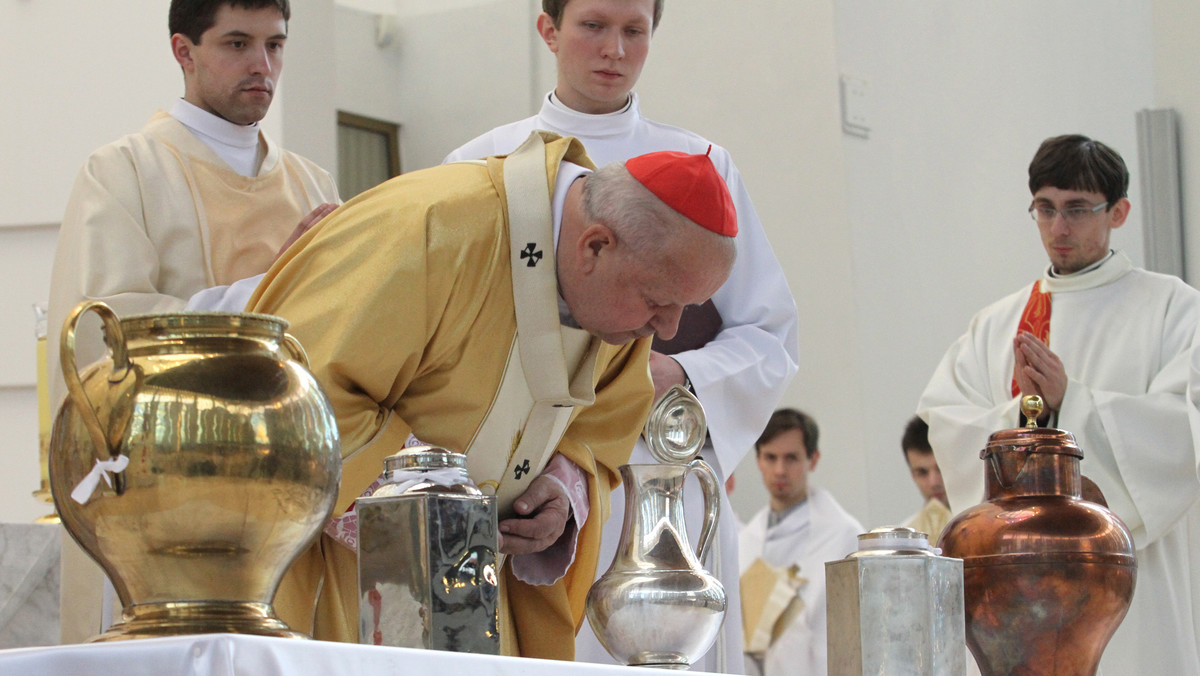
628, 263
611, 195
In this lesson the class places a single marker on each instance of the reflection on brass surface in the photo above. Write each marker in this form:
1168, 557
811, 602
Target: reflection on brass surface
42, 494
1047, 575
656, 605
232, 467
1032, 407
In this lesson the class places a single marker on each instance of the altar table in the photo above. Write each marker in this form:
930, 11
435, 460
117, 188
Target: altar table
244, 655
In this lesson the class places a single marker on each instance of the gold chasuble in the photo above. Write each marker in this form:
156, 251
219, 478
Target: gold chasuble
403, 299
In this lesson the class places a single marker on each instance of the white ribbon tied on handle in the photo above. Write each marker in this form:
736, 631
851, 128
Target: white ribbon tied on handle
102, 469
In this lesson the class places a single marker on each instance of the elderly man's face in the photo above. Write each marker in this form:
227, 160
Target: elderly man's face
620, 298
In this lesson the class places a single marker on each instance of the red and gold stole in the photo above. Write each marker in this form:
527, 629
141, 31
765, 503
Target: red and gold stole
1035, 319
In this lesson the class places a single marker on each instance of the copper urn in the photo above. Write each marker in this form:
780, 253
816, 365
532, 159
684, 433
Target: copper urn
1047, 575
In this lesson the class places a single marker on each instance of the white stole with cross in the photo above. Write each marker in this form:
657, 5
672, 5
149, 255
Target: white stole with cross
550, 367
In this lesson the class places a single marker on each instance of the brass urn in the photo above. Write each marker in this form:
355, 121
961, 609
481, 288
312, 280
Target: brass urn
194, 464
1047, 574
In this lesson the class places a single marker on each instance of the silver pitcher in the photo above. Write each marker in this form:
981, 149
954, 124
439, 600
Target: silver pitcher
895, 607
656, 605
427, 543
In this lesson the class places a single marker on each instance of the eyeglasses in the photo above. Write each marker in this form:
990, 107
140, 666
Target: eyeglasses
1071, 215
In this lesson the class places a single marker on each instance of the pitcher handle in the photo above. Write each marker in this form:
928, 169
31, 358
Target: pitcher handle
712, 504
296, 349
114, 338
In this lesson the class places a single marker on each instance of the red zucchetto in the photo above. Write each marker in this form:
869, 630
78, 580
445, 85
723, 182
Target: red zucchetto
690, 185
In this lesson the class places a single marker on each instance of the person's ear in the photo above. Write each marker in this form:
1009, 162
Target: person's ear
1118, 213
595, 241
812, 460
549, 33
181, 49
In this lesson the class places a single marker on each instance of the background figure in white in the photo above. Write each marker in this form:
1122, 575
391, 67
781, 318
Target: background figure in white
802, 525
738, 353
1108, 349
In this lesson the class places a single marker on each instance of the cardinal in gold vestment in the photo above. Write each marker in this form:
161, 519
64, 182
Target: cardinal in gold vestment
403, 300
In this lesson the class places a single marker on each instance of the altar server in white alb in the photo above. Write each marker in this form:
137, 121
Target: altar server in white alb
199, 197
1107, 346
784, 548
738, 353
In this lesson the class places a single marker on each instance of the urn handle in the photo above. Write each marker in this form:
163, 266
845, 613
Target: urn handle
712, 504
296, 349
114, 338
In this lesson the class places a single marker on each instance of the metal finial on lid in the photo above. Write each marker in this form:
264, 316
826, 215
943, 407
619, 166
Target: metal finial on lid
425, 469
1032, 406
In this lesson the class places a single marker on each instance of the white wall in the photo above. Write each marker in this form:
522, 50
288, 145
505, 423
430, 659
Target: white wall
761, 79
70, 86
307, 103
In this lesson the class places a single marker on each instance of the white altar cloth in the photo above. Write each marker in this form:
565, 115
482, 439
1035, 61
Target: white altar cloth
243, 655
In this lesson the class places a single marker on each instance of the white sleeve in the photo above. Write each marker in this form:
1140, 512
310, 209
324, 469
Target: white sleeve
742, 373
231, 298
963, 404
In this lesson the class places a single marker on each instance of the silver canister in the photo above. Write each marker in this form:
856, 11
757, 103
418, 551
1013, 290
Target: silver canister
895, 607
427, 575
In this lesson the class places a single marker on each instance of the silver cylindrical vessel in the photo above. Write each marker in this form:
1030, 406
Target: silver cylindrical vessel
427, 573
895, 607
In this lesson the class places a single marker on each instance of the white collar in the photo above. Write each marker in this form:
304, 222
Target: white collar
574, 123
567, 173
796, 516
1108, 270
236, 144
204, 123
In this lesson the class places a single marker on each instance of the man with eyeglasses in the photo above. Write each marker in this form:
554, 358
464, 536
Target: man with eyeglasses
1107, 346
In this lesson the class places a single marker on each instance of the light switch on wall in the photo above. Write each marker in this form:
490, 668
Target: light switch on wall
854, 106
